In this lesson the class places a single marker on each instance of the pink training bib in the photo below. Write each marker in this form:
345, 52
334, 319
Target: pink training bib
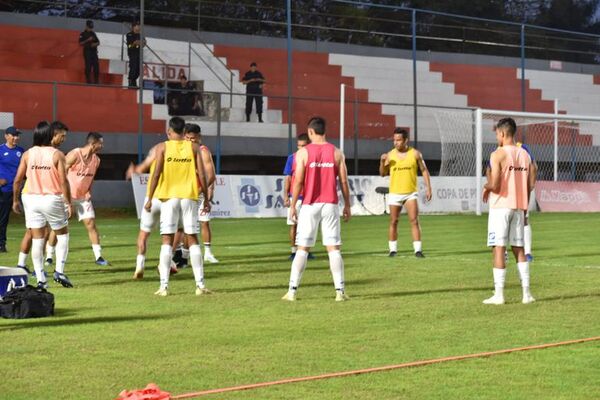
513, 185
320, 176
42, 175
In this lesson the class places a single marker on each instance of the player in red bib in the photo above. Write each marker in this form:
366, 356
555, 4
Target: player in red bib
319, 165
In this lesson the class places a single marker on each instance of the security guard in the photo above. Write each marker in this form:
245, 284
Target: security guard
10, 157
133, 51
90, 43
254, 81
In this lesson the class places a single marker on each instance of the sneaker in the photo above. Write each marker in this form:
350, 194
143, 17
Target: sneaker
289, 296
163, 292
310, 256
419, 254
101, 261
292, 256
177, 256
210, 258
33, 275
392, 253
528, 299
42, 285
182, 263
62, 279
174, 269
529, 257
3, 249
138, 274
48, 262
200, 291
495, 299
341, 296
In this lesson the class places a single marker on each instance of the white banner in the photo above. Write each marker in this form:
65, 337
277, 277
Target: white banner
259, 196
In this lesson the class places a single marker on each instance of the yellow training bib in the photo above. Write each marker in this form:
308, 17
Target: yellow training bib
178, 179
403, 172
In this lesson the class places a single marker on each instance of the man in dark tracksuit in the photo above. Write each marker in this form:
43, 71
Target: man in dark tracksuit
254, 81
133, 51
10, 157
90, 43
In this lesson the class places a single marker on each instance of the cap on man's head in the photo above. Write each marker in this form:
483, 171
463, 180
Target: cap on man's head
11, 130
253, 64
89, 23
135, 23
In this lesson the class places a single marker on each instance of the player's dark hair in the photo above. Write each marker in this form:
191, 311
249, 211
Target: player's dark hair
253, 64
192, 128
177, 124
93, 137
317, 124
507, 125
401, 131
42, 134
303, 137
58, 126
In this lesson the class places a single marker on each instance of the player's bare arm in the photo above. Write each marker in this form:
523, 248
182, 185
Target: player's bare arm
142, 167
209, 167
287, 183
18, 183
201, 175
343, 177
532, 177
159, 153
71, 159
301, 158
425, 173
60, 162
384, 165
493, 184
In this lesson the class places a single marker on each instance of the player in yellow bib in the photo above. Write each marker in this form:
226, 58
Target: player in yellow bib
401, 164
176, 181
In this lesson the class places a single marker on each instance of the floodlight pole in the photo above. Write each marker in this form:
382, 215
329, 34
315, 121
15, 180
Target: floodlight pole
478, 159
141, 86
342, 115
555, 141
289, 72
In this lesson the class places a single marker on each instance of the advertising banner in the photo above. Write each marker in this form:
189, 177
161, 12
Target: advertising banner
568, 196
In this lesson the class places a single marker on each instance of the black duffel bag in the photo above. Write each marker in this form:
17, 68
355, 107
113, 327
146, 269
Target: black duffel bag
27, 302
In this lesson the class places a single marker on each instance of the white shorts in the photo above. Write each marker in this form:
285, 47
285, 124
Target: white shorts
172, 210
505, 226
308, 223
84, 208
202, 216
289, 213
149, 219
42, 209
395, 199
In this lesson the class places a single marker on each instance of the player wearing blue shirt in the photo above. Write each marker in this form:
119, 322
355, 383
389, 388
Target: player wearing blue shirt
288, 171
10, 157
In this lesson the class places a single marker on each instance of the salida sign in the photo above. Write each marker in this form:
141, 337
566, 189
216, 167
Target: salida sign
160, 72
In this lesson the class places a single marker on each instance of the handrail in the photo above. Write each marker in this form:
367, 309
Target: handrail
201, 41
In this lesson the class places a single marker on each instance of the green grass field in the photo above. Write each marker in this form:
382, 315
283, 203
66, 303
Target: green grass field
111, 333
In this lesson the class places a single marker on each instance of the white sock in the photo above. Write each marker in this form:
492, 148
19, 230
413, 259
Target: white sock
140, 261
22, 259
185, 253
528, 239
37, 256
197, 264
499, 278
524, 274
62, 250
207, 250
97, 249
417, 246
393, 245
49, 251
164, 265
294, 249
336, 265
298, 267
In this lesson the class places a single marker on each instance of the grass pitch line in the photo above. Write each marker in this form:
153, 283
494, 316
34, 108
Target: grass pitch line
380, 369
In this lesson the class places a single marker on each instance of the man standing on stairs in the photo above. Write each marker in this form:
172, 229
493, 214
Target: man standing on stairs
254, 80
133, 52
90, 43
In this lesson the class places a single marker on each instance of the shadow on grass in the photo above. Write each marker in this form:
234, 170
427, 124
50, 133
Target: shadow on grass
283, 286
58, 321
567, 297
430, 291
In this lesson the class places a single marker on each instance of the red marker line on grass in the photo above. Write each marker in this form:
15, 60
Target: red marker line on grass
380, 369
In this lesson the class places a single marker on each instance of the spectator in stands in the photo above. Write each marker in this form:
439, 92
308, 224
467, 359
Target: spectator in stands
10, 157
133, 52
254, 81
185, 99
90, 43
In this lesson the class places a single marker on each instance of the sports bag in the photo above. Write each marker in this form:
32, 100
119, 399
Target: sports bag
27, 302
